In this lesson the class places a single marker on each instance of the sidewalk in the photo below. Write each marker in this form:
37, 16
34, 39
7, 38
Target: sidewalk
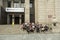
9, 29
31, 37
16, 29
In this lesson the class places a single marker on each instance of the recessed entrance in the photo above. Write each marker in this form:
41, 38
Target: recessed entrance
16, 20
22, 19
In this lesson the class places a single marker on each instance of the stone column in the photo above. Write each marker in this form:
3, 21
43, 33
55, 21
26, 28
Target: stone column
20, 3
12, 18
12, 4
20, 19
6, 4
36, 11
8, 19
27, 11
1, 2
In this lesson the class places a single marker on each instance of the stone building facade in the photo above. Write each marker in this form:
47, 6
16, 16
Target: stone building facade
20, 11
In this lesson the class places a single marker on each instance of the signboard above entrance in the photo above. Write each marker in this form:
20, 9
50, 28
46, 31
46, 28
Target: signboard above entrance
14, 9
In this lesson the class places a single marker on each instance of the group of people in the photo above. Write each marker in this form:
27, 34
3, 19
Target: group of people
32, 27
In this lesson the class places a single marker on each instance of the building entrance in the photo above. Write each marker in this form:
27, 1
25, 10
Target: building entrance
16, 20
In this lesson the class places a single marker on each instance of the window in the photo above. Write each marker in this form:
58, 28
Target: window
16, 5
30, 5
22, 1
9, 3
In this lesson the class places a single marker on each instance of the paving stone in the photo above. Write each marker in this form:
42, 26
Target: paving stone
31, 37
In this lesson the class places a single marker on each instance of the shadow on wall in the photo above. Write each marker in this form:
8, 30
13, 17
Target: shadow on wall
3, 16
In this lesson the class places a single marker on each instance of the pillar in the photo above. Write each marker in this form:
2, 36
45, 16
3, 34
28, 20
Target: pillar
36, 11
8, 19
13, 19
27, 11
12, 4
6, 4
20, 3
20, 19
1, 2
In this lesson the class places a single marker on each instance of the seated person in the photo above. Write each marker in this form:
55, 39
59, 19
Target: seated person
41, 28
37, 28
46, 28
32, 27
24, 26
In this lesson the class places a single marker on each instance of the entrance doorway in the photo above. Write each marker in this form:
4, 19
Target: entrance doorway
22, 19
16, 20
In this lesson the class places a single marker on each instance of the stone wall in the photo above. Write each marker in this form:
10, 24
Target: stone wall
42, 11
3, 16
57, 10
0, 14
52, 8
45, 8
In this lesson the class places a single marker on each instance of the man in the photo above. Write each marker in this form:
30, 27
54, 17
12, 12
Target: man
41, 28
37, 28
24, 26
28, 27
32, 27
46, 28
